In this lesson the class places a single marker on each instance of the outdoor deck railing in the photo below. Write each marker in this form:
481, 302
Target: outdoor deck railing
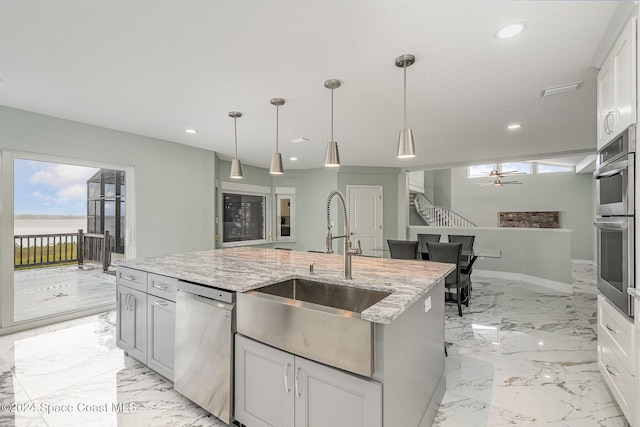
61, 248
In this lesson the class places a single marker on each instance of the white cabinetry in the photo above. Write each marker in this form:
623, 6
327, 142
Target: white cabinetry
616, 356
146, 318
161, 324
274, 388
131, 312
617, 87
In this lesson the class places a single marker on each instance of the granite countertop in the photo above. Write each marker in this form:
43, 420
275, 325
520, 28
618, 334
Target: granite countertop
245, 268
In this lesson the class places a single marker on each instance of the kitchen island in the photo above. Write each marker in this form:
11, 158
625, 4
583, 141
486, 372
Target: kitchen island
407, 325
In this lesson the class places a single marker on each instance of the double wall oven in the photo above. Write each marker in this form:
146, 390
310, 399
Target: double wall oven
615, 222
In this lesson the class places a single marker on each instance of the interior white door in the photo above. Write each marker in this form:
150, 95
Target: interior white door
365, 217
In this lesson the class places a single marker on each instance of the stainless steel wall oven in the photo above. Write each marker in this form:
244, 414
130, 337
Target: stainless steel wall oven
615, 176
616, 252
615, 223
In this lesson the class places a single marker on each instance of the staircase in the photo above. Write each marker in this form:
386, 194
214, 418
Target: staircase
437, 216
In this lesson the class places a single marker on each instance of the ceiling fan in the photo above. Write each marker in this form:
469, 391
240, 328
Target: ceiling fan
495, 174
499, 183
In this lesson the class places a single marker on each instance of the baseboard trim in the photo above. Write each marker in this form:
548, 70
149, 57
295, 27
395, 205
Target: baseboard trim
546, 283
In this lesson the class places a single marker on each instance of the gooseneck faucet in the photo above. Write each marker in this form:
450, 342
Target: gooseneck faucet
348, 250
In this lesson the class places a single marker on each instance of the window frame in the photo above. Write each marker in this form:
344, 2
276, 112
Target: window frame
538, 164
283, 193
247, 190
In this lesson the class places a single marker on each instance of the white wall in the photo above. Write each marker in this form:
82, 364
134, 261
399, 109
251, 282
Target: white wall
566, 192
174, 184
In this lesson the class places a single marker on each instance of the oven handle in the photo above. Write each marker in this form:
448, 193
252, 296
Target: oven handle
610, 173
612, 225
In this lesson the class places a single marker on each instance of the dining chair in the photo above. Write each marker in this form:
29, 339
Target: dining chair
422, 243
403, 249
451, 253
467, 246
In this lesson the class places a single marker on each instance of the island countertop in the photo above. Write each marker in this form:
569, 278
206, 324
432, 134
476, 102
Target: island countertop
245, 268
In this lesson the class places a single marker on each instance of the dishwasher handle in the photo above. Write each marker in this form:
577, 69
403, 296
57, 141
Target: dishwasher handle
207, 291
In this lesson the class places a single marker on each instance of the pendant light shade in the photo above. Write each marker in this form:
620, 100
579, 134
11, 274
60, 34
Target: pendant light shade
276, 160
236, 166
406, 147
332, 157
236, 169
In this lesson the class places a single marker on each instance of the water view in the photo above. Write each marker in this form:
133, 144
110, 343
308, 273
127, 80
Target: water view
48, 224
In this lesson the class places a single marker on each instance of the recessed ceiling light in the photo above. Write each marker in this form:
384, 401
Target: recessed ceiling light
293, 159
299, 139
514, 126
191, 131
510, 30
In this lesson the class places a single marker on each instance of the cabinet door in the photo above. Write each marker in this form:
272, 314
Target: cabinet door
606, 101
137, 303
263, 385
161, 326
329, 397
124, 316
625, 65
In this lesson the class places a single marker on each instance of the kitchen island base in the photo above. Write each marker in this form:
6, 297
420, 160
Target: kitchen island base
276, 387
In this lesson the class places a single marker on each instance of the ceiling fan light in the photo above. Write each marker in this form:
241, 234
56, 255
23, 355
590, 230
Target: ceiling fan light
406, 147
332, 157
276, 164
236, 169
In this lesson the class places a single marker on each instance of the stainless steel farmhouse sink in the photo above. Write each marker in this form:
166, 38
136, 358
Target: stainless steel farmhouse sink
319, 321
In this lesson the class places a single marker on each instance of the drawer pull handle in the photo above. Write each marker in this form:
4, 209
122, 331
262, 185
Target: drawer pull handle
129, 278
286, 380
161, 303
161, 287
610, 328
296, 383
611, 371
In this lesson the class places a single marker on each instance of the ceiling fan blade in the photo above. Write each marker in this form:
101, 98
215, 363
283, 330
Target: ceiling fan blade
511, 182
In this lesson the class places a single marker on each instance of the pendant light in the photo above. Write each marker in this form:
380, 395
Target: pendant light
236, 166
276, 159
406, 148
332, 157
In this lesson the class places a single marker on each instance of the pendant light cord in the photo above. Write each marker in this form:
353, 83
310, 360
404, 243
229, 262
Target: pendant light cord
277, 121
235, 132
405, 94
331, 114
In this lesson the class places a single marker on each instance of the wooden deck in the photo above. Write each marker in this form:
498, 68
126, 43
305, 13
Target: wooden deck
46, 291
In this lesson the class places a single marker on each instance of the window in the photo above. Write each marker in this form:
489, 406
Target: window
516, 167
480, 171
546, 168
244, 213
285, 214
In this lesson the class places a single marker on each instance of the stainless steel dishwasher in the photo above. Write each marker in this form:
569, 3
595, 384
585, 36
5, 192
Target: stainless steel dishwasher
205, 326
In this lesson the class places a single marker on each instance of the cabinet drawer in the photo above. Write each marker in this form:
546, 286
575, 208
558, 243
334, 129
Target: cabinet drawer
617, 377
134, 279
162, 286
618, 328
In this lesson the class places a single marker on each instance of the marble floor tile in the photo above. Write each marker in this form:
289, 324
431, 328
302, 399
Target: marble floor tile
526, 355
521, 355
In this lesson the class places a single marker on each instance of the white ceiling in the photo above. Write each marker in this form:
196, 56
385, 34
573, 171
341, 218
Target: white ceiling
156, 67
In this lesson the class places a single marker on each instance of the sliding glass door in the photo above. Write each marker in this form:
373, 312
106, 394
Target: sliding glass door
68, 228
